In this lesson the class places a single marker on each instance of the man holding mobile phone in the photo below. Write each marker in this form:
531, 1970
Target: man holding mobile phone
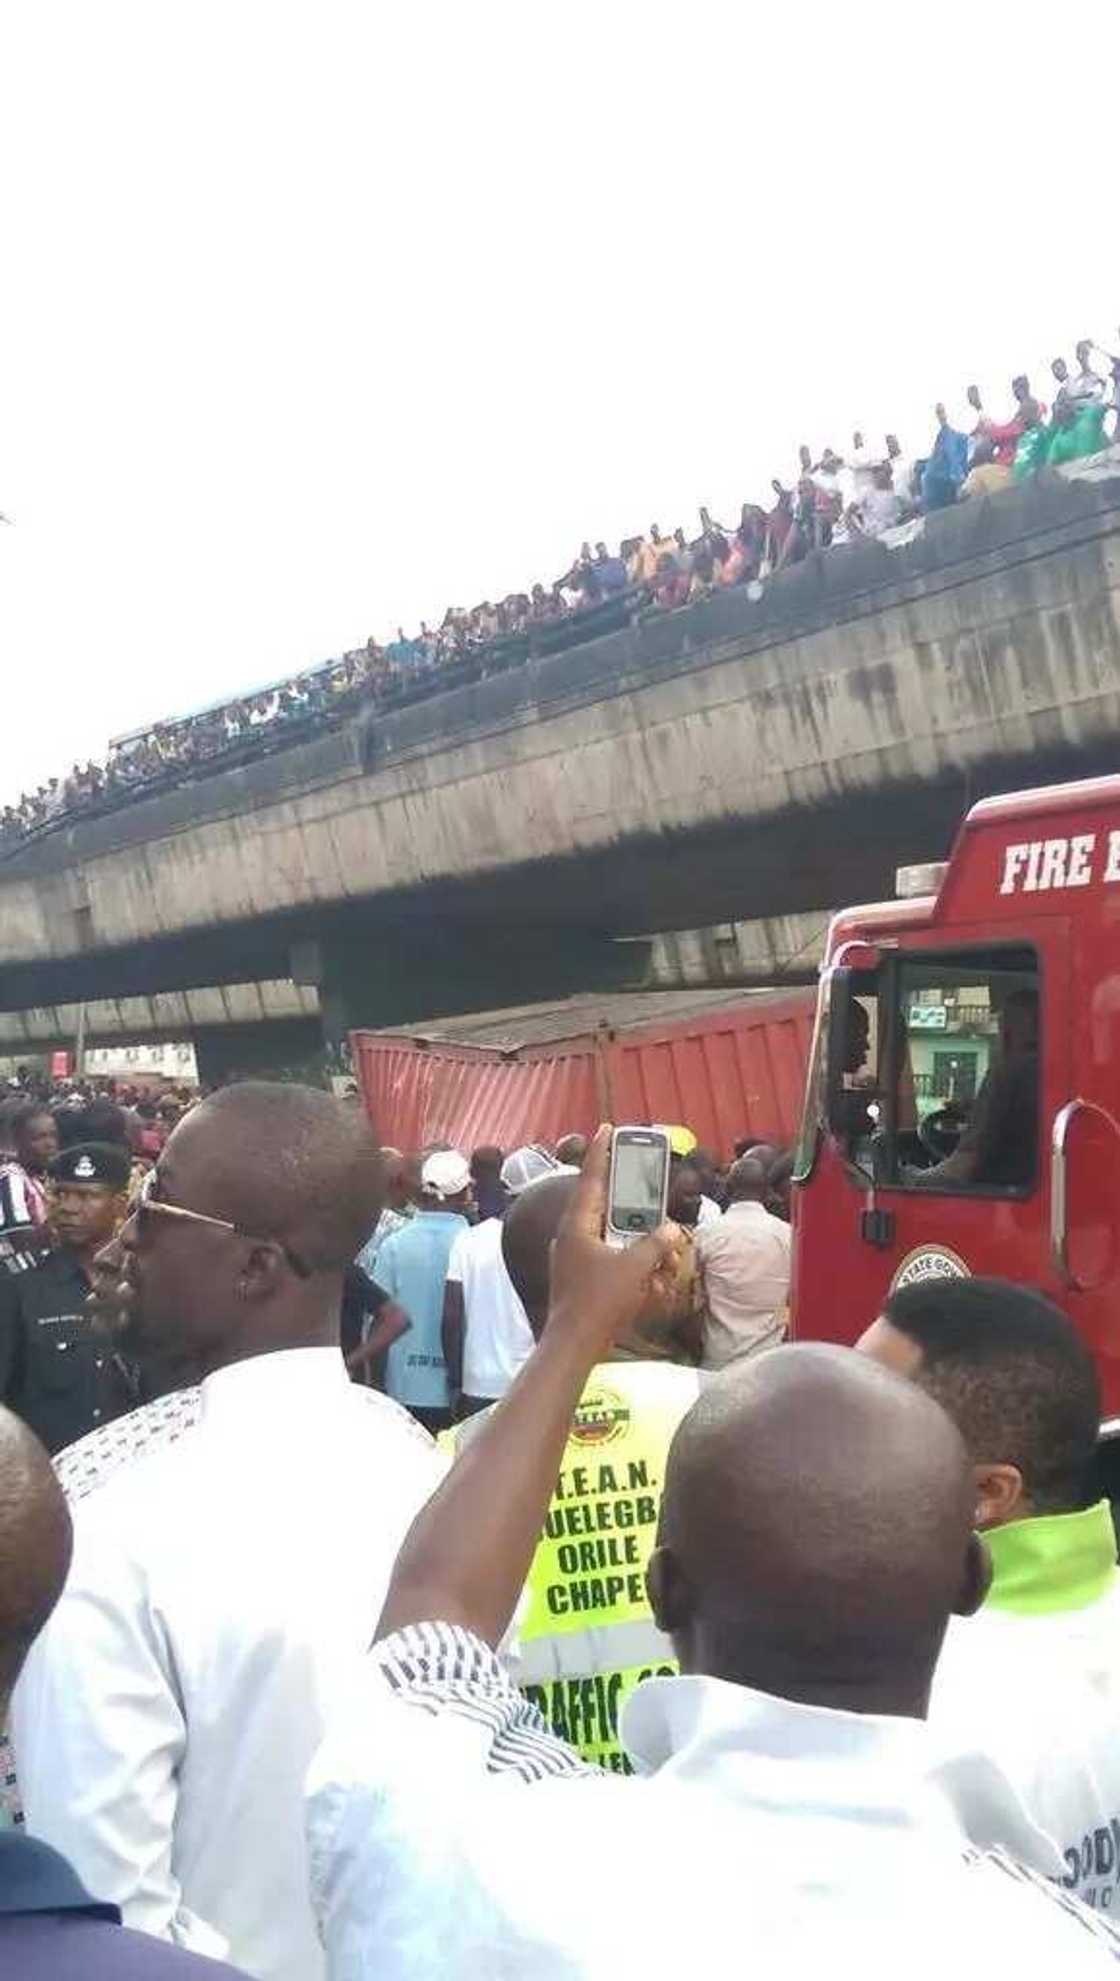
789, 1816
586, 1635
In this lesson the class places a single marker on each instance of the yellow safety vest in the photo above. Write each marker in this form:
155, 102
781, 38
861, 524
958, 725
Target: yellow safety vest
587, 1635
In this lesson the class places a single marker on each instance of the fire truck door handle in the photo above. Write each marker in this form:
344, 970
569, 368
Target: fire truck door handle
1059, 1180
1058, 1208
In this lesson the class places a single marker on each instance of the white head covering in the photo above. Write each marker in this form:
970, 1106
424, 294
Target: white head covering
445, 1174
527, 1165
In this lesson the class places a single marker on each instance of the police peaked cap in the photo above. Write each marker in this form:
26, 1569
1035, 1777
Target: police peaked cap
92, 1162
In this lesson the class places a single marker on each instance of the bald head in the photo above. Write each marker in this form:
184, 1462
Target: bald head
284, 1162
283, 1185
746, 1181
531, 1224
34, 1545
528, 1231
789, 1560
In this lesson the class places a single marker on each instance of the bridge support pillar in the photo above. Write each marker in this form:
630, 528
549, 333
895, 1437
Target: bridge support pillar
398, 975
282, 1049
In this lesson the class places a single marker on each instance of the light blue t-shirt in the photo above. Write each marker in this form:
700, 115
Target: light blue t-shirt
412, 1270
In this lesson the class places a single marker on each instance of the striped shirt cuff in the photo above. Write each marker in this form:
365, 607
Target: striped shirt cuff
443, 1668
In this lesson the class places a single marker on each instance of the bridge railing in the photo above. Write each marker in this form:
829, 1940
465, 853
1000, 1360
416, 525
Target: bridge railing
284, 731
417, 683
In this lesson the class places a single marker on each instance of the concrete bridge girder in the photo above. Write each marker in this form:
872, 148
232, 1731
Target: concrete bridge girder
250, 1026
776, 949
168, 1015
742, 760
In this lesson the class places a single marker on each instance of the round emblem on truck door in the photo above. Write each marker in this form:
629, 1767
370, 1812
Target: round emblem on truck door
929, 1262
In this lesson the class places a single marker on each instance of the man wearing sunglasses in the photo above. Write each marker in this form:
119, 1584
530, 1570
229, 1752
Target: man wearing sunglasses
224, 1583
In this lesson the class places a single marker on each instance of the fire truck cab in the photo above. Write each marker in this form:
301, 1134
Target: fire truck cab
963, 1104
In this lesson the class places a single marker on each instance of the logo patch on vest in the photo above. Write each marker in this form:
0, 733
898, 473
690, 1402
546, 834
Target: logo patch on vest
602, 1416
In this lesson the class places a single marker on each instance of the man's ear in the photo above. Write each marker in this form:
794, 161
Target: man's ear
976, 1577
670, 1598
261, 1271
999, 1495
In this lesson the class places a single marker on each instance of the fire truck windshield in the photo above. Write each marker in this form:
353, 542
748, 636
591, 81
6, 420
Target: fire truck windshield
939, 1085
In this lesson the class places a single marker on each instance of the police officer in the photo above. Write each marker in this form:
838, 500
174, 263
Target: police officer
56, 1370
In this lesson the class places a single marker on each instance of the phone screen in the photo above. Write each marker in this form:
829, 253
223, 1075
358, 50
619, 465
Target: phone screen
639, 1171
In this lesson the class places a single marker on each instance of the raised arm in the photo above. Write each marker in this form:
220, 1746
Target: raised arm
468, 1552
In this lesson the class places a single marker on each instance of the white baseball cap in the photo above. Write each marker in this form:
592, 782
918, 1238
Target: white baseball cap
445, 1174
528, 1165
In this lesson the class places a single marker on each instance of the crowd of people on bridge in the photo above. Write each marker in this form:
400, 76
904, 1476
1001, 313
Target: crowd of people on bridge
868, 491
423, 1589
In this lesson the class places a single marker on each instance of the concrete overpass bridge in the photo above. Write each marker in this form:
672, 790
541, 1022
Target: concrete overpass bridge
737, 763
249, 1026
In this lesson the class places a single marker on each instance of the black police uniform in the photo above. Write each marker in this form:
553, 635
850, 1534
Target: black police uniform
22, 1250
57, 1371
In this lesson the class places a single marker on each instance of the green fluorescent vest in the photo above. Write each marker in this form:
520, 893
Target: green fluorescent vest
1060, 1561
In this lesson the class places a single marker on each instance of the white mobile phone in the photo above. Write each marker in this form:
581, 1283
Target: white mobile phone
639, 1185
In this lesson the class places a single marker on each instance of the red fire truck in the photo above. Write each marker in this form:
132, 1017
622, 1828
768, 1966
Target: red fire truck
963, 1100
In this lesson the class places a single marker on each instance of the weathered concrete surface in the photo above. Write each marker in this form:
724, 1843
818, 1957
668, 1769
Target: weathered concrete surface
164, 1015
752, 953
777, 949
745, 759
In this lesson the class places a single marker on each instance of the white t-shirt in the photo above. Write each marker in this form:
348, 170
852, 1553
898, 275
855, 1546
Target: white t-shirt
1087, 388
454, 1837
836, 481
1041, 1695
222, 1588
881, 509
902, 475
497, 1335
862, 463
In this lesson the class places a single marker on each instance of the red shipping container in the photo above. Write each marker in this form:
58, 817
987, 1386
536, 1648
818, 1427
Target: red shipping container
725, 1064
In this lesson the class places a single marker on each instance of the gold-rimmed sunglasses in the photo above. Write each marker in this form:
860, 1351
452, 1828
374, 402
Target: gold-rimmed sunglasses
149, 1200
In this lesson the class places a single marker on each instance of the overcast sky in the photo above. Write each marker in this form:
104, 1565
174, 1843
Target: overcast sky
319, 318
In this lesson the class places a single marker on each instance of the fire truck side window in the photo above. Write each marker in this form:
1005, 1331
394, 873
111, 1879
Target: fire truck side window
859, 1113
964, 1099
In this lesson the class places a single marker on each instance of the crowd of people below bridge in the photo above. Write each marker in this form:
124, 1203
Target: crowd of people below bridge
677, 1646
433, 1323
865, 493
